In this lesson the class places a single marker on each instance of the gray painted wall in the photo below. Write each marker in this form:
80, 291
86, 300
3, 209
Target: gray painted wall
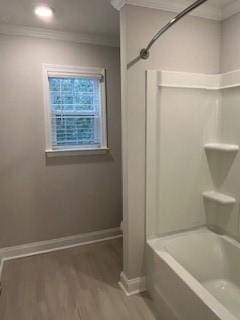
193, 45
43, 198
230, 44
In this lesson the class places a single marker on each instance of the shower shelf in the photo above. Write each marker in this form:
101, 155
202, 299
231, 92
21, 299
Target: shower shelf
219, 197
222, 147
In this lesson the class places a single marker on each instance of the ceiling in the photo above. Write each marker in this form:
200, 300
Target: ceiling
96, 17
80, 16
220, 3
216, 3
211, 9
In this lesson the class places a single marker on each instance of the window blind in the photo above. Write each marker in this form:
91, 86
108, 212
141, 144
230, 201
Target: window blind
75, 112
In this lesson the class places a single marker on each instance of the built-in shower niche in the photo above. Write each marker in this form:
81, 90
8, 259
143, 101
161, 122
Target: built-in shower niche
219, 198
219, 204
220, 157
219, 209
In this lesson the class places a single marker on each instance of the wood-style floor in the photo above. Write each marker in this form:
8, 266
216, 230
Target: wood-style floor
72, 284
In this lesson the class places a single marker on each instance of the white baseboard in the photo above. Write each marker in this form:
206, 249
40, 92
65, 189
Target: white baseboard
31, 249
132, 286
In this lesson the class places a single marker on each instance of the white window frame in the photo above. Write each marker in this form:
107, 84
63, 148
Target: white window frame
50, 70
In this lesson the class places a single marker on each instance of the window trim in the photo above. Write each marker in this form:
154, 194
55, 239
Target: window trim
72, 71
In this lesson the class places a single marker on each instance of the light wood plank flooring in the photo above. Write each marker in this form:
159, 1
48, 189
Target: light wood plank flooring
71, 284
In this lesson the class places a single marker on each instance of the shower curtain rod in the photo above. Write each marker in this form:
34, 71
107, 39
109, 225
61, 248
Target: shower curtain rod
144, 53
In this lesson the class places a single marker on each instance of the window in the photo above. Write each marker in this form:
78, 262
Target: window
75, 109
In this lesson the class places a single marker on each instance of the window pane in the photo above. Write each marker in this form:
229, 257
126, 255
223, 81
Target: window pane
75, 108
75, 130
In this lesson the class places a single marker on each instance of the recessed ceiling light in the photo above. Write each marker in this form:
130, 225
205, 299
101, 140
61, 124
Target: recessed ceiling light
43, 11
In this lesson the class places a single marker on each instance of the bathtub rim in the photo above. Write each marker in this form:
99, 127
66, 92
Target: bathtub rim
203, 294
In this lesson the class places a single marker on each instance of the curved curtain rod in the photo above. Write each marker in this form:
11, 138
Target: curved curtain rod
144, 53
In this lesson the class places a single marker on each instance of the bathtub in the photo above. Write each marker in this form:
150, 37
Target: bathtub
194, 275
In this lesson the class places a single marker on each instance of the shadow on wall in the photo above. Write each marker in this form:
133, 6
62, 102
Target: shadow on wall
218, 216
219, 165
69, 160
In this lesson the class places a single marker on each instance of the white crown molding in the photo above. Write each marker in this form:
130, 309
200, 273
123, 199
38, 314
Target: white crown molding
207, 11
93, 39
172, 79
132, 286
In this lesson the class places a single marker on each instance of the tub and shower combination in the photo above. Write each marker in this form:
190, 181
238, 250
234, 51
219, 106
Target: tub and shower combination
192, 132
195, 275
192, 274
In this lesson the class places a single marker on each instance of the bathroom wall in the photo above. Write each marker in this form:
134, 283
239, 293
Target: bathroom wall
226, 175
194, 46
230, 44
227, 219
184, 119
42, 198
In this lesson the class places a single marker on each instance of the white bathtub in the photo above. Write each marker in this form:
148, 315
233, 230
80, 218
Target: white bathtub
195, 275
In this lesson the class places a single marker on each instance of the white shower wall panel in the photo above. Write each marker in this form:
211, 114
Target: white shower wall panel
179, 122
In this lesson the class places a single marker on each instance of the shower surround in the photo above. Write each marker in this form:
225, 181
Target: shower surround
192, 148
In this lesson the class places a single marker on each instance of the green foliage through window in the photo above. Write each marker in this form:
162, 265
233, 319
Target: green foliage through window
75, 110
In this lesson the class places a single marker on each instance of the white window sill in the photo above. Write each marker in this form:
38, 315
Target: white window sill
75, 152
